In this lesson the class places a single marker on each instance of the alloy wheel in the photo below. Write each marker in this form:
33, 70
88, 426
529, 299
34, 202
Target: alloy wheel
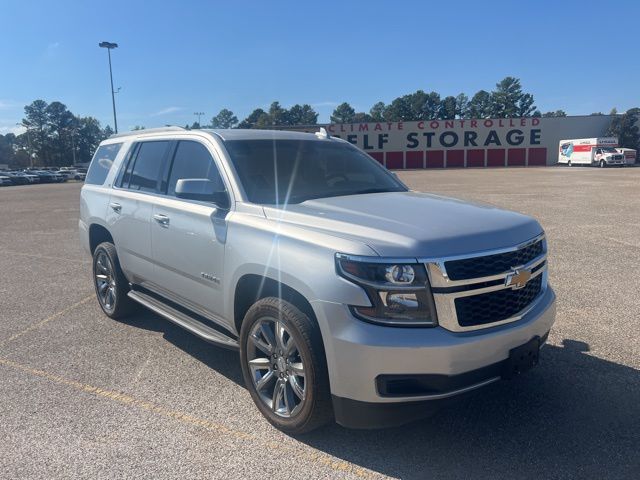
105, 281
276, 367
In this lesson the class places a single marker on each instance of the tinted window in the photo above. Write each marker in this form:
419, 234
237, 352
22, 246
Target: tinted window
101, 163
124, 175
292, 171
146, 168
192, 160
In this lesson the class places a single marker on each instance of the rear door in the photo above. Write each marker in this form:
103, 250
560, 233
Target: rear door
189, 236
130, 207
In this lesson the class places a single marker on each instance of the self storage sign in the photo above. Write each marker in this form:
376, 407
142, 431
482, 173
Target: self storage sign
449, 143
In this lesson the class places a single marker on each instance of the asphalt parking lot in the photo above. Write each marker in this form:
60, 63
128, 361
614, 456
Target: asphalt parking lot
83, 396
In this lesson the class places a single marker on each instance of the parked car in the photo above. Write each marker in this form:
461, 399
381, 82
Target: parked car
5, 181
73, 173
18, 178
65, 174
32, 178
47, 176
347, 295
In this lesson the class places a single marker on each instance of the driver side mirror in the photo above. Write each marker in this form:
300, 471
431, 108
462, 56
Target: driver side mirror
204, 190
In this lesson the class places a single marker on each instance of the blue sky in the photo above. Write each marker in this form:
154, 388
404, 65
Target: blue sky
176, 58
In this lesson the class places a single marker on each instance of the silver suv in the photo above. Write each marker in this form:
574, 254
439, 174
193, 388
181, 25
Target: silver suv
348, 296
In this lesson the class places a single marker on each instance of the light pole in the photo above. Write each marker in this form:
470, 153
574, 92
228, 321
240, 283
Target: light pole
109, 46
73, 146
198, 114
28, 143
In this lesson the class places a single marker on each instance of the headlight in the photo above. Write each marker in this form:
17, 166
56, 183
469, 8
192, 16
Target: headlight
400, 293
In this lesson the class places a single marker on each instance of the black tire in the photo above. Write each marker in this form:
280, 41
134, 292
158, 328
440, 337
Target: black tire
121, 305
316, 408
569, 163
602, 164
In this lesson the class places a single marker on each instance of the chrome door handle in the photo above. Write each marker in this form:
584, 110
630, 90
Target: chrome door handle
116, 207
163, 220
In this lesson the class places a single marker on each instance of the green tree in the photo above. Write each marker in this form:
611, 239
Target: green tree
302, 115
596, 114
278, 115
252, 120
625, 127
36, 123
362, 117
424, 106
141, 127
462, 106
448, 108
61, 125
343, 113
377, 112
224, 119
557, 113
480, 105
400, 109
7, 153
86, 138
508, 100
264, 121
107, 132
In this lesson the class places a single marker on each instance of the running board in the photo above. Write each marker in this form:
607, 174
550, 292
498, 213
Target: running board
183, 320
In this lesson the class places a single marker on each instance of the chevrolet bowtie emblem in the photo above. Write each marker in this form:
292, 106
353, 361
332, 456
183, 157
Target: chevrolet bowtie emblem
517, 278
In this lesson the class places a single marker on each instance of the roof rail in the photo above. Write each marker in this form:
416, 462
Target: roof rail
147, 130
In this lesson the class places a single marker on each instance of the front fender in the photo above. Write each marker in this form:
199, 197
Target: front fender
306, 263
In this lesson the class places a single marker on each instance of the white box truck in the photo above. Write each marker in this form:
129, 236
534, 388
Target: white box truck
590, 151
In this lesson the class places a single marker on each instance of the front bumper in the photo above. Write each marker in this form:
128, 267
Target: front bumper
359, 354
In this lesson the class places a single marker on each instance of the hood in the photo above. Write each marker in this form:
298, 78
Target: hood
411, 224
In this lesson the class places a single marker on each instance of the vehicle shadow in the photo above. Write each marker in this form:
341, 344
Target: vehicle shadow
222, 360
574, 416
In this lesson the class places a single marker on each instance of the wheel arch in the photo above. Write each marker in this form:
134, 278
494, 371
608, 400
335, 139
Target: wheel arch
98, 234
252, 287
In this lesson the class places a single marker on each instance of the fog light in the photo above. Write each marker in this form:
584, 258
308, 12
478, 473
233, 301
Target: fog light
399, 301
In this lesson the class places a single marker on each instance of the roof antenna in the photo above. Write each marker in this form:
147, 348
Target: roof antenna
322, 133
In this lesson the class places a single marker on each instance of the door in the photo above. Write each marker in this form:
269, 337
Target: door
189, 236
130, 208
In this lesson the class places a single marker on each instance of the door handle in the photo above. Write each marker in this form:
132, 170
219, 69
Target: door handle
116, 207
163, 220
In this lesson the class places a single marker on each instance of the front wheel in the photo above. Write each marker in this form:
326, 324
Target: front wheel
602, 164
284, 366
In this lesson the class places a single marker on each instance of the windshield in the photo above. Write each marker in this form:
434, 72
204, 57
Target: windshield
608, 150
292, 171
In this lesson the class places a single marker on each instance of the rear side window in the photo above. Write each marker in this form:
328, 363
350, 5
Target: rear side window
192, 160
101, 163
147, 166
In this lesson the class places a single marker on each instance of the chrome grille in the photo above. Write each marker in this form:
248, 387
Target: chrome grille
488, 289
496, 306
486, 266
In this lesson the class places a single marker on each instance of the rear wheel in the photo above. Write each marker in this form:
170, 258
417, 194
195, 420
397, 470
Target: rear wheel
284, 366
110, 283
569, 163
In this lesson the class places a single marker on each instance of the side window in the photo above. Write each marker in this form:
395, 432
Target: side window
124, 175
192, 160
147, 166
101, 163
